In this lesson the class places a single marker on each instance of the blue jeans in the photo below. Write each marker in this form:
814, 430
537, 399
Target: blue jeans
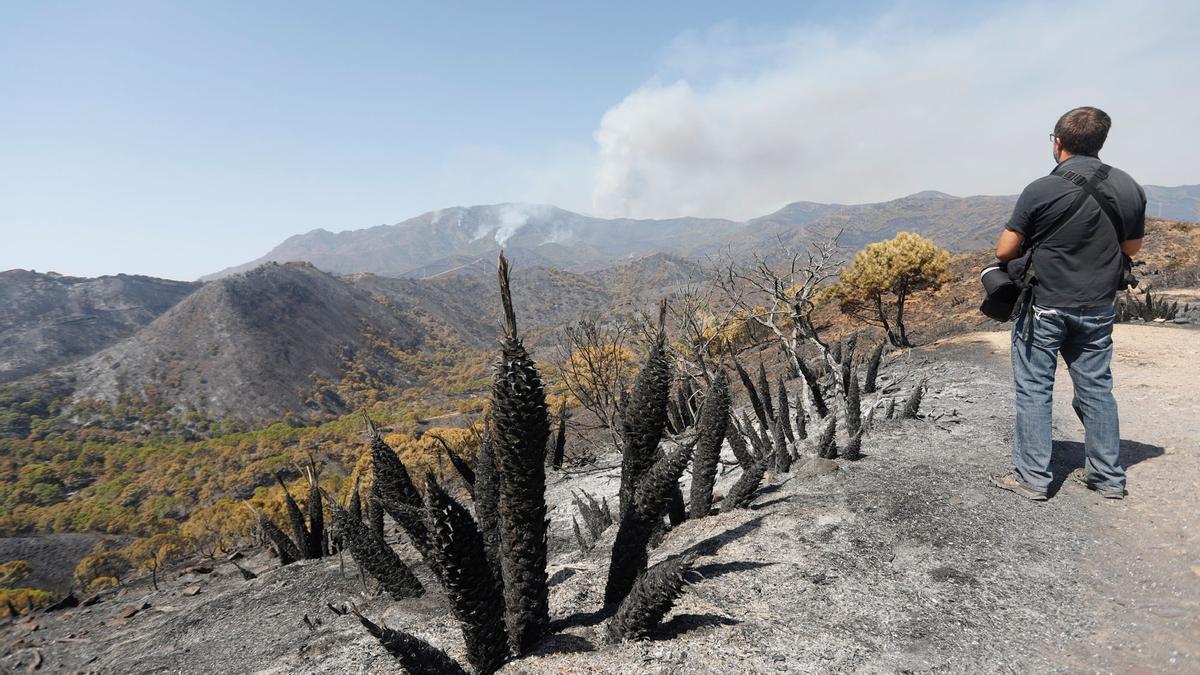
1083, 335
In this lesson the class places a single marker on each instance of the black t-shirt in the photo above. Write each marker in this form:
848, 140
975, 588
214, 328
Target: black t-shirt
1080, 265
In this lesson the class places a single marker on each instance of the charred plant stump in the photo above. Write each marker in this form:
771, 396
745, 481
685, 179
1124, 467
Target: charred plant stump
847, 360
560, 440
737, 443
395, 492
827, 443
853, 405
651, 597
284, 547
295, 521
783, 458
853, 450
466, 574
784, 412
650, 502
714, 420
873, 368
755, 400
521, 426
801, 419
913, 405
316, 512
764, 390
487, 499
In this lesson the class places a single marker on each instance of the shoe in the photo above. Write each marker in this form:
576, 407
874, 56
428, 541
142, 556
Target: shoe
1007, 481
1080, 476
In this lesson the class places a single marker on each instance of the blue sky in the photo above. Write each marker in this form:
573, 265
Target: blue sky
176, 139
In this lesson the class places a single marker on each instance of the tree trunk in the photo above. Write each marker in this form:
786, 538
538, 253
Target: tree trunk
903, 335
893, 338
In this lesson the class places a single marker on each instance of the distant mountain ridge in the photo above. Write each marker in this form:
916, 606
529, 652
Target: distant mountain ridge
49, 319
542, 235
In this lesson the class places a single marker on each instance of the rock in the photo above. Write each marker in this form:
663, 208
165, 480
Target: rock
91, 600
69, 601
191, 590
197, 569
816, 466
131, 610
1181, 319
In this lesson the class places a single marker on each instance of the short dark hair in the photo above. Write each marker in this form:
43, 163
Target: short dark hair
1082, 131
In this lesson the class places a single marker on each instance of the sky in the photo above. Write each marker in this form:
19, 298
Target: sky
175, 139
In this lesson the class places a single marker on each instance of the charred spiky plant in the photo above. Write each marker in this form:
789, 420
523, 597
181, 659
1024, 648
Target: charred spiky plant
764, 390
745, 488
801, 419
295, 521
783, 457
645, 417
461, 467
755, 400
650, 599
853, 404
355, 507
827, 443
284, 547
873, 368
650, 502
487, 498
521, 425
814, 389
466, 575
374, 516
737, 443
853, 449
394, 490
847, 360
375, 556
891, 409
560, 439
414, 654
753, 435
714, 418
784, 411
913, 404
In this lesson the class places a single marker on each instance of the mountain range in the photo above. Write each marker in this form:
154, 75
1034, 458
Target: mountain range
546, 236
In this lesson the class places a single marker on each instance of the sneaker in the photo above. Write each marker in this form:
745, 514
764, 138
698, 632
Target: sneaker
1080, 476
1007, 481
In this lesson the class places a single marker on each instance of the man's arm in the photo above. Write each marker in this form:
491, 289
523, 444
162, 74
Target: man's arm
1131, 246
1009, 245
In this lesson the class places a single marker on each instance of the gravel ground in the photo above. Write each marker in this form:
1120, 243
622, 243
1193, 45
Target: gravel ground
905, 561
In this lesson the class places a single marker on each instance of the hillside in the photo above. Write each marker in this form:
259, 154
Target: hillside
436, 242
254, 345
48, 320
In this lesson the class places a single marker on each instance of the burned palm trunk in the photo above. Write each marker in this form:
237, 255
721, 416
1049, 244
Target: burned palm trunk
487, 500
375, 557
394, 490
745, 488
644, 419
873, 368
853, 405
814, 389
414, 654
650, 598
466, 574
714, 419
650, 502
784, 412
521, 426
296, 521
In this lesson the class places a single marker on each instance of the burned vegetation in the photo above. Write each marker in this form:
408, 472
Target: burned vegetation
489, 554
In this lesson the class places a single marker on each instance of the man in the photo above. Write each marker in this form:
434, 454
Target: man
1079, 262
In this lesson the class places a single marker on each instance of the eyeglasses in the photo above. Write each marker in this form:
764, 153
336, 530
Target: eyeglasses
1053, 137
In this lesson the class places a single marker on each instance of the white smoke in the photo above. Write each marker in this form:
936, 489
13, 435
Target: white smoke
746, 123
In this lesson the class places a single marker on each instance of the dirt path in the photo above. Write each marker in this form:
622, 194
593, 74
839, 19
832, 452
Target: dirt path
1143, 559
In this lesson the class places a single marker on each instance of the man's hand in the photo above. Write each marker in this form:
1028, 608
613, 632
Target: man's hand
1009, 245
1130, 247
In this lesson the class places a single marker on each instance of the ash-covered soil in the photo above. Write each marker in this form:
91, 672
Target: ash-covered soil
907, 560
